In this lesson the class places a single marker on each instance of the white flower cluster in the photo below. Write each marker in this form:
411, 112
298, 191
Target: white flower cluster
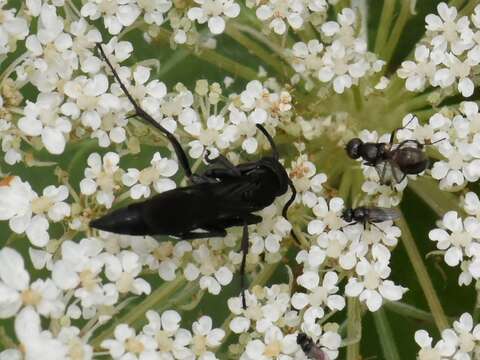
294, 13
156, 175
163, 338
42, 343
214, 13
461, 342
29, 213
457, 139
343, 247
12, 28
341, 62
448, 56
119, 14
459, 239
267, 324
217, 128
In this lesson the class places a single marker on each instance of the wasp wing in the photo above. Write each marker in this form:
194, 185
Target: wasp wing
380, 214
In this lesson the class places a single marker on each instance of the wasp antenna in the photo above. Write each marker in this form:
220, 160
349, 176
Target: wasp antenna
182, 157
270, 140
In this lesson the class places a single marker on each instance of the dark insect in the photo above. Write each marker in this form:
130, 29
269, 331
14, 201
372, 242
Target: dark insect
369, 215
393, 162
309, 347
224, 195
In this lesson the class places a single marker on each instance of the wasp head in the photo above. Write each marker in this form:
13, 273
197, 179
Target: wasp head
353, 148
347, 215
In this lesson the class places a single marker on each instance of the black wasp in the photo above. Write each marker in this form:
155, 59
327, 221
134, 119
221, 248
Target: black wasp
224, 195
369, 215
310, 348
393, 162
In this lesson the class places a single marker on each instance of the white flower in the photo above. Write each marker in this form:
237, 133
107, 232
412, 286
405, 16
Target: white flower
156, 175
100, 174
279, 13
128, 345
458, 238
37, 343
324, 295
43, 119
46, 47
205, 338
16, 291
372, 287
12, 29
116, 15
461, 342
80, 269
274, 345
214, 12
123, 269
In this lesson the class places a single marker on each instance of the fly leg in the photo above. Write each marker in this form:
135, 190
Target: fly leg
392, 135
182, 157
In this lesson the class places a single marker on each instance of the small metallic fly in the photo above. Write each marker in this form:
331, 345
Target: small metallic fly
393, 162
369, 215
224, 195
309, 347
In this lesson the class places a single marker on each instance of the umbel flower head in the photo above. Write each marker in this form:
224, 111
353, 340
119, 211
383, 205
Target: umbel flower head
373, 110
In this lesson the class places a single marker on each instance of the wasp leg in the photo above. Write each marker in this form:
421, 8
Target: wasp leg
182, 157
244, 247
270, 140
237, 221
210, 232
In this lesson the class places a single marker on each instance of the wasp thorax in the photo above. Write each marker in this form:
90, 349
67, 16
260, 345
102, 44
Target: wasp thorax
353, 148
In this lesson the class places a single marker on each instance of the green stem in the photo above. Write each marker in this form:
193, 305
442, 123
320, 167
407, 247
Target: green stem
5, 340
161, 294
440, 201
354, 329
469, 8
384, 25
385, 336
259, 51
357, 97
213, 58
397, 31
422, 274
408, 310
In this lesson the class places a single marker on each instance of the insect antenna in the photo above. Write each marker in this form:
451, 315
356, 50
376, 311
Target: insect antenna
270, 140
182, 157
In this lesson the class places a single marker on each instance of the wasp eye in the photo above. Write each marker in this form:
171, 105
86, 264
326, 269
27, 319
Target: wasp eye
353, 147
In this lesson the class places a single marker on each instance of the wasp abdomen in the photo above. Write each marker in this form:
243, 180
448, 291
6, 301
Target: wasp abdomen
128, 221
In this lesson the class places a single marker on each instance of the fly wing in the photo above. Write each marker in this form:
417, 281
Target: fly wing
317, 354
389, 173
380, 214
